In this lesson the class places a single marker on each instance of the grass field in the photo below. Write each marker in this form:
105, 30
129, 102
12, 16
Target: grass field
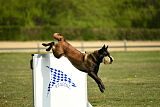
132, 80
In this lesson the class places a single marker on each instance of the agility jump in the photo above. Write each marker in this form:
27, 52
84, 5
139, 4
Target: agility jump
88, 63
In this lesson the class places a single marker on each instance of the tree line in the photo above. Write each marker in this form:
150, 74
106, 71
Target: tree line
79, 14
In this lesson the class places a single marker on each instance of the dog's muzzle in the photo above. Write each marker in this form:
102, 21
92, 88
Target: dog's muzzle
108, 60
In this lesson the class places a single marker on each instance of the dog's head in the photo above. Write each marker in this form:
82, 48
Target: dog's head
103, 52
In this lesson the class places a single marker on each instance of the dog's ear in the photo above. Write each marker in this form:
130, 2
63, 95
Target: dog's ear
107, 47
103, 47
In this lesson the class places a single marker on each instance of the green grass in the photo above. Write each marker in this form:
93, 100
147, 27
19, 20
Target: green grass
15, 80
132, 80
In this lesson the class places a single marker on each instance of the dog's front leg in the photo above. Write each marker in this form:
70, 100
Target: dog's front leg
98, 81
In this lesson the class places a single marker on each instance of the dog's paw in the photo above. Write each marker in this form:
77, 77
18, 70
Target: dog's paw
44, 44
52, 43
101, 87
48, 49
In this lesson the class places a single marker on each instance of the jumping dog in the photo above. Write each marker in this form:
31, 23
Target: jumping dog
88, 63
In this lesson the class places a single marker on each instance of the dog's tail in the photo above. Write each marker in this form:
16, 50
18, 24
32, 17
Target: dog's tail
58, 37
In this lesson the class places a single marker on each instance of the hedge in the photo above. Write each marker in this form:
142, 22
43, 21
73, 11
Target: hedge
17, 33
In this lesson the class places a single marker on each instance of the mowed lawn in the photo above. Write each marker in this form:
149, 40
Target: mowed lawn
132, 80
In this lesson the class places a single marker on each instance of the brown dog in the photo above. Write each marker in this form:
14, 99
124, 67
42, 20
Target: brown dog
88, 63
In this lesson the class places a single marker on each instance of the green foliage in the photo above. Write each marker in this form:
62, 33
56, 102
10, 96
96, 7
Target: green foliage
75, 33
82, 17
81, 13
10, 33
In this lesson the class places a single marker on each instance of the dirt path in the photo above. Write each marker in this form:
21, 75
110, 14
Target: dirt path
80, 44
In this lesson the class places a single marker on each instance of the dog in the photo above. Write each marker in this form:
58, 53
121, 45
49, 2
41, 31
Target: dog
88, 63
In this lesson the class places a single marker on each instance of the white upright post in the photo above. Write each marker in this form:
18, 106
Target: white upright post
57, 83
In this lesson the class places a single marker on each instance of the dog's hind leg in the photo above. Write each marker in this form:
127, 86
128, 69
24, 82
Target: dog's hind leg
58, 53
45, 44
49, 44
98, 81
50, 47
